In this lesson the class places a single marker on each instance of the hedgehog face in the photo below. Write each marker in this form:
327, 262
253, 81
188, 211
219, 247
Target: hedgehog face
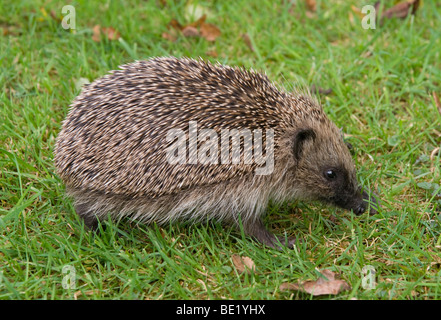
343, 192
325, 171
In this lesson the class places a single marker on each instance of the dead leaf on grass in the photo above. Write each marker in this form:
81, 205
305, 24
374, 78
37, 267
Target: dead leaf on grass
169, 37
243, 264
174, 28
311, 5
198, 28
56, 17
325, 285
357, 11
212, 53
190, 31
96, 33
199, 21
247, 40
109, 32
402, 9
209, 31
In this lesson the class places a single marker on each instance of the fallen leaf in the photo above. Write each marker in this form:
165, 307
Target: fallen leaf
175, 24
400, 10
209, 31
169, 36
54, 16
325, 285
195, 29
311, 5
357, 11
190, 31
243, 264
212, 53
199, 21
174, 28
247, 40
109, 32
96, 33
309, 14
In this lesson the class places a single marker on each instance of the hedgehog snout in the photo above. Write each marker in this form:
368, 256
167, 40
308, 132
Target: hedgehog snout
368, 199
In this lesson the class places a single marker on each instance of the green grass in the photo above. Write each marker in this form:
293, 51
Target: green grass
382, 82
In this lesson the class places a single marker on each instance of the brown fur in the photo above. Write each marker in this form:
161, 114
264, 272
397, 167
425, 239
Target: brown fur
111, 150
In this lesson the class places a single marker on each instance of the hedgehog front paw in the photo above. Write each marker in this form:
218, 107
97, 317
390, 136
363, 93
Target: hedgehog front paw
289, 242
258, 231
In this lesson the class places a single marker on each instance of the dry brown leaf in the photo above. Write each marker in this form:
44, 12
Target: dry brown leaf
111, 33
402, 9
325, 285
174, 28
54, 16
311, 5
243, 264
169, 36
310, 15
175, 25
247, 40
212, 53
190, 31
96, 33
195, 29
209, 31
199, 21
357, 11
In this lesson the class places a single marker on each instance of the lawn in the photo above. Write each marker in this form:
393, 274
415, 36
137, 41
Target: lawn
383, 82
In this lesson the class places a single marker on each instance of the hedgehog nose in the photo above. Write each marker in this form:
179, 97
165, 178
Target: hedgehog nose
372, 200
360, 209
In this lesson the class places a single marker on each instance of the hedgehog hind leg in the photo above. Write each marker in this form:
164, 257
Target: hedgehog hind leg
90, 219
258, 230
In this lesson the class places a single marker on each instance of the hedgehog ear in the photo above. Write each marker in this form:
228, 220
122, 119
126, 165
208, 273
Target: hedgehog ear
300, 137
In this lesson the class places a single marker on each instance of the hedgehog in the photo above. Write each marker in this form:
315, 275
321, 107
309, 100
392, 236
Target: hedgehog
179, 139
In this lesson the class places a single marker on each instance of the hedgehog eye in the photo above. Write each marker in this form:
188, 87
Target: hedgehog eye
330, 174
